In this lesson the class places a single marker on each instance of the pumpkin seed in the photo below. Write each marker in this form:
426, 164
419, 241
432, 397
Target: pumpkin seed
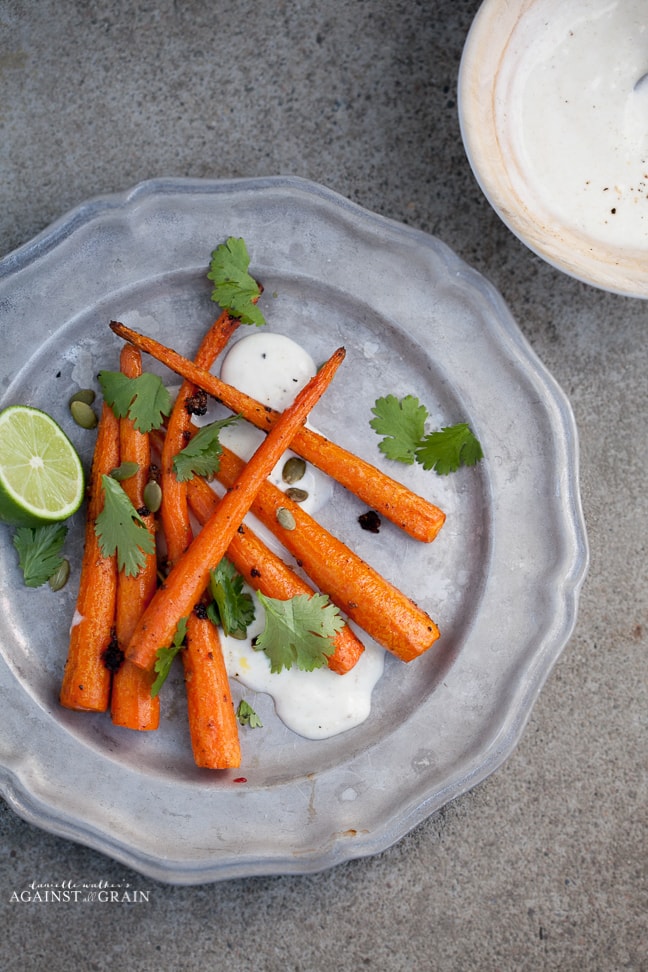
124, 471
293, 470
296, 494
85, 395
83, 414
60, 576
285, 518
152, 496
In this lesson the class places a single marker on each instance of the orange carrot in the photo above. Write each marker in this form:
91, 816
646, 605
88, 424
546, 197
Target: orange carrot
266, 572
414, 514
379, 608
205, 675
86, 678
212, 720
131, 703
188, 579
174, 511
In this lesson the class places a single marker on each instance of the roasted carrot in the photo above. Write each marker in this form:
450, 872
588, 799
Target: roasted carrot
135, 591
212, 720
376, 605
86, 678
266, 572
131, 703
412, 513
205, 677
174, 511
187, 580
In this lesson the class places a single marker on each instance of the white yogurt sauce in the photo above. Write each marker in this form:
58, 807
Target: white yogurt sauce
273, 368
314, 704
76, 619
580, 120
270, 367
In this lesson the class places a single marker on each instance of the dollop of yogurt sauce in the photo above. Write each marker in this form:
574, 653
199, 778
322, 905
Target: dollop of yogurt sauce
272, 368
579, 116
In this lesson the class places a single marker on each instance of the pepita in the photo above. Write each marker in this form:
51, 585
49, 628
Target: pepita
60, 576
152, 496
124, 471
83, 414
85, 395
296, 494
293, 470
285, 518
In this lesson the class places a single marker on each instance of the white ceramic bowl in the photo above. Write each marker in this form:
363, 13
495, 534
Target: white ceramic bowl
554, 118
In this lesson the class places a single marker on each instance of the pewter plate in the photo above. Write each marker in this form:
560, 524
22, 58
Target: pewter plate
502, 579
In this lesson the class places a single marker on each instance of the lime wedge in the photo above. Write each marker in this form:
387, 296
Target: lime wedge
41, 476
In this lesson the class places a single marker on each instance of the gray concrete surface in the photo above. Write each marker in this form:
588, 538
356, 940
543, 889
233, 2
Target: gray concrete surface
543, 866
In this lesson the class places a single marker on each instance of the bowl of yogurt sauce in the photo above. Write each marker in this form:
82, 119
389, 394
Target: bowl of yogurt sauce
553, 108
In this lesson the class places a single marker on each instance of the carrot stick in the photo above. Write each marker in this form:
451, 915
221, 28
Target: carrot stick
174, 511
212, 720
414, 514
86, 679
379, 608
266, 572
189, 577
135, 591
131, 703
213, 729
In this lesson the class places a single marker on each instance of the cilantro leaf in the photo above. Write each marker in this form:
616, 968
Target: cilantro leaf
402, 422
298, 631
234, 289
120, 529
201, 456
448, 448
39, 551
247, 716
232, 607
164, 656
144, 399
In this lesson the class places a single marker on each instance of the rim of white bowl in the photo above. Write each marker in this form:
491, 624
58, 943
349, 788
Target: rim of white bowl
492, 39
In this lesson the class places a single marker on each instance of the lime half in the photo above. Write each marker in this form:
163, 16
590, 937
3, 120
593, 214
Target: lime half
41, 476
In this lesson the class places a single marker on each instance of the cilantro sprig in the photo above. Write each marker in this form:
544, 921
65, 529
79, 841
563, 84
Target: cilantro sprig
235, 290
298, 631
39, 552
402, 422
201, 456
121, 530
247, 716
232, 607
145, 399
164, 656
